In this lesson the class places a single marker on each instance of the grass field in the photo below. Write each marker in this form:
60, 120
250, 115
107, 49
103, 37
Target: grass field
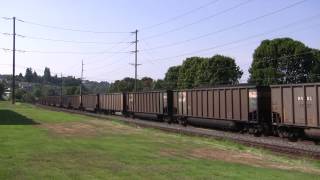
41, 144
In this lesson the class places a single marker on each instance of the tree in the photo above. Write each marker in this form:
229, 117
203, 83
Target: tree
35, 77
159, 85
19, 94
37, 92
51, 92
283, 60
217, 70
29, 75
147, 83
20, 77
124, 85
2, 89
188, 72
171, 77
28, 97
205, 72
47, 75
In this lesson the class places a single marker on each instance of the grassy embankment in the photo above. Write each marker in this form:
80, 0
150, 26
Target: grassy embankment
41, 144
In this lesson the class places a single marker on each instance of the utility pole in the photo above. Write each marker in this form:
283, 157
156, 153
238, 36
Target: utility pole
81, 80
135, 60
14, 62
61, 90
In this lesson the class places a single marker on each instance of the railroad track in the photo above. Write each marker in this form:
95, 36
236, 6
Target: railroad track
274, 144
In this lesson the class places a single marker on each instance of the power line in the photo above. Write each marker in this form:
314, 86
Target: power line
237, 41
180, 16
69, 41
70, 29
113, 55
228, 28
112, 47
288, 25
198, 21
67, 52
117, 60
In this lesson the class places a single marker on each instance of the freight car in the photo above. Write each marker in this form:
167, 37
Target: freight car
90, 102
246, 108
53, 100
152, 104
295, 108
283, 110
71, 101
112, 103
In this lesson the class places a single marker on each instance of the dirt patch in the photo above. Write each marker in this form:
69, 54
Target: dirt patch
88, 128
168, 152
71, 129
248, 159
110, 127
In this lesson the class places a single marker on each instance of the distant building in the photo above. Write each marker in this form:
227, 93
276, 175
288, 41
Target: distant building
25, 86
7, 94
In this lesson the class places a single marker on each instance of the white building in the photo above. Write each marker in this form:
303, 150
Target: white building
6, 94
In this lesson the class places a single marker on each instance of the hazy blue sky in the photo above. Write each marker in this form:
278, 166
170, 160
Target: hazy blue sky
224, 27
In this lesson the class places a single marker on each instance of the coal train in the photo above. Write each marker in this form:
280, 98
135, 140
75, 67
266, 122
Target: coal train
282, 110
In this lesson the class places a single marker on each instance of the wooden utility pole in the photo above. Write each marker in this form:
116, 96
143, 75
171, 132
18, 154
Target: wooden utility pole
13, 96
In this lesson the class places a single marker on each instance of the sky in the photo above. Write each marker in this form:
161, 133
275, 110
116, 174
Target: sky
59, 34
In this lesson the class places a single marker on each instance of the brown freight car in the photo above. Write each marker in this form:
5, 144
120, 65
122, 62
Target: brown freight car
246, 107
53, 100
153, 104
90, 102
111, 103
71, 101
295, 107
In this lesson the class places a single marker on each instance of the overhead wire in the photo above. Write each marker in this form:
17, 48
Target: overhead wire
69, 41
92, 58
71, 29
66, 52
179, 16
199, 20
236, 41
229, 27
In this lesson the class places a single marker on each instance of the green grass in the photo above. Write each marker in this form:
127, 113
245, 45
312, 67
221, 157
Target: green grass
41, 144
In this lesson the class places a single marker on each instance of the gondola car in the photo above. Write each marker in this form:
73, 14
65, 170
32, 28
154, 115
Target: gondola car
152, 104
71, 101
112, 103
90, 102
295, 109
242, 107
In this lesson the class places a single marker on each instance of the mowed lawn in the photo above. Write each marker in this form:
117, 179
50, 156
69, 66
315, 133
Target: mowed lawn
41, 144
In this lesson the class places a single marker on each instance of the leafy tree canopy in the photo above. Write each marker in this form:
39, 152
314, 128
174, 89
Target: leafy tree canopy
284, 60
171, 77
205, 72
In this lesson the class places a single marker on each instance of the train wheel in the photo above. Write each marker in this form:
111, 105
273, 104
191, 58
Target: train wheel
257, 131
185, 122
292, 136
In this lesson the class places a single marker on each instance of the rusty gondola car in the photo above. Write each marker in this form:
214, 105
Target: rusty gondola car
111, 103
152, 104
244, 107
295, 108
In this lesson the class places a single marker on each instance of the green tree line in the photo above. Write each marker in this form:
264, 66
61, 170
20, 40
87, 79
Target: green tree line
276, 61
